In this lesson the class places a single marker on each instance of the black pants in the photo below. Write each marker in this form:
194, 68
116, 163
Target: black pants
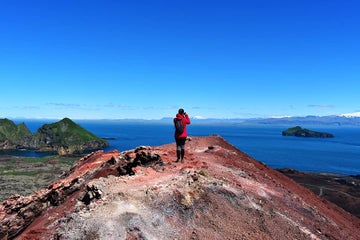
180, 147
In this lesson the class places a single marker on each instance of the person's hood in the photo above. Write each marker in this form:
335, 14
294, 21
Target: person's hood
179, 116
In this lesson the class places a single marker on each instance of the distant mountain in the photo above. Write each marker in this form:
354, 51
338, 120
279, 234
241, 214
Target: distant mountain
307, 121
348, 120
14, 136
333, 120
355, 114
63, 137
207, 121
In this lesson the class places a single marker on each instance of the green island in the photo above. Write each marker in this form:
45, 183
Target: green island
25, 175
303, 132
64, 137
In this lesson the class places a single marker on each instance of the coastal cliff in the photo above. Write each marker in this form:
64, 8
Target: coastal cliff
66, 137
14, 136
218, 193
63, 137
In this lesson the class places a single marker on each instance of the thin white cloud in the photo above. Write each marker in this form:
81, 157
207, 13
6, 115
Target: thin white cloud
124, 106
285, 116
71, 105
109, 105
27, 107
354, 114
321, 106
172, 107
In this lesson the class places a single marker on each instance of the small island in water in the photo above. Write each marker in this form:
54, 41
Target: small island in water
303, 132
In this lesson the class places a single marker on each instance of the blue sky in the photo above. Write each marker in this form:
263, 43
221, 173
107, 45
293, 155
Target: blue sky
145, 59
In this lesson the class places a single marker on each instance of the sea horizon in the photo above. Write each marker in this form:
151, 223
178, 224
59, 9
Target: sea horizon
339, 155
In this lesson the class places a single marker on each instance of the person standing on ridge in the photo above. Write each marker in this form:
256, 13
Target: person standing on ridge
180, 122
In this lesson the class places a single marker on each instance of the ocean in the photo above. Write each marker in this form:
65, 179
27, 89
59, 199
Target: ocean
340, 155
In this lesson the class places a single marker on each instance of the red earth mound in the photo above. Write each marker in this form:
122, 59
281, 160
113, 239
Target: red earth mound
217, 193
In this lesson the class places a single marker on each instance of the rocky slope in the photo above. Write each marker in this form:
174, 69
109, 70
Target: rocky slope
218, 193
342, 190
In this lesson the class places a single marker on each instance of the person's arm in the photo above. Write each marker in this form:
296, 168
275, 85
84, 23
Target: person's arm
187, 119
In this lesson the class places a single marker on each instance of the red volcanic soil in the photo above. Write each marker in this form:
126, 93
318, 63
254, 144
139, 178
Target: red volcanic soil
217, 193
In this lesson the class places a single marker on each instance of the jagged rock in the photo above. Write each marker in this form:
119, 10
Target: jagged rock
91, 192
218, 193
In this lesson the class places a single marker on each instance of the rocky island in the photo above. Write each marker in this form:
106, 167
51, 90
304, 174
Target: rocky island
64, 137
303, 132
14, 136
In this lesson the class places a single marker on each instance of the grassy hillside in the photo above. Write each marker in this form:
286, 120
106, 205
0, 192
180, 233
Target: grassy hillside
63, 137
14, 136
67, 137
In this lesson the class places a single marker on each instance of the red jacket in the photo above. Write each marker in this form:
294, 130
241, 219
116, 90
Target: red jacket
186, 120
